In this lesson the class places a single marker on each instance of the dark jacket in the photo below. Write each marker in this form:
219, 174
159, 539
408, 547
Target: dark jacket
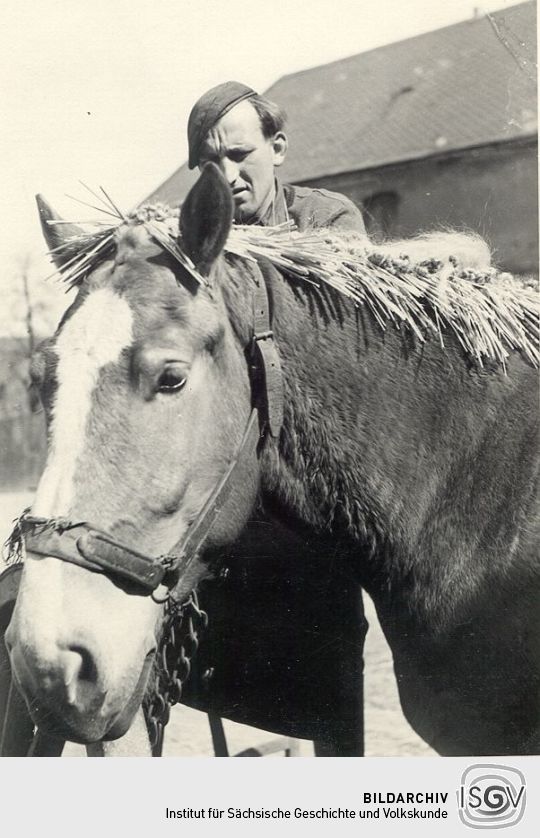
313, 208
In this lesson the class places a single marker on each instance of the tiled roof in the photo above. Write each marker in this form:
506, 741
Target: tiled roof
468, 84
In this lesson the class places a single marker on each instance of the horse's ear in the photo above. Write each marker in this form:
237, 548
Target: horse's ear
56, 235
206, 218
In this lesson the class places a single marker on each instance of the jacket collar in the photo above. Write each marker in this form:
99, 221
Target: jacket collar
278, 210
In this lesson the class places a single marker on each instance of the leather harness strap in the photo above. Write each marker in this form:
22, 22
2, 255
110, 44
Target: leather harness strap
268, 359
89, 547
81, 544
192, 542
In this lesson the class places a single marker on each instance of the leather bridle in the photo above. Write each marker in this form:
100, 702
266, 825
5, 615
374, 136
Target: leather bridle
80, 543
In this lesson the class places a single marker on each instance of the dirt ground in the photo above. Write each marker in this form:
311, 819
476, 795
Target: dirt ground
188, 733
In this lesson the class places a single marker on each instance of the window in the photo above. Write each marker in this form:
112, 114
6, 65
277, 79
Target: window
380, 215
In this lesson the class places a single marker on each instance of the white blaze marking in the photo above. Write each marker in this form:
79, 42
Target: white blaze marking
94, 335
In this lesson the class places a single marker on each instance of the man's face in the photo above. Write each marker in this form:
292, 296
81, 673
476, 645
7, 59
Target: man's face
246, 158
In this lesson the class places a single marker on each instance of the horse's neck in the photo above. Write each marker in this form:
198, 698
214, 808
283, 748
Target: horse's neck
375, 427
321, 475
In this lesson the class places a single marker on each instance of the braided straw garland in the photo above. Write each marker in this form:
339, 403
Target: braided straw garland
490, 313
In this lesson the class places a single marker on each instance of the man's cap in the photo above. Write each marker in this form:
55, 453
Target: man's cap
212, 105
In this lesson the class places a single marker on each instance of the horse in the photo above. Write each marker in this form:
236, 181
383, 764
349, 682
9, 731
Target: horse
414, 466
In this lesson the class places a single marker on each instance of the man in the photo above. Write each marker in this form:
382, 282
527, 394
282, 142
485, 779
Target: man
286, 629
243, 133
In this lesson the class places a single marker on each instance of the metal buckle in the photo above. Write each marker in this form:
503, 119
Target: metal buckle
159, 600
269, 335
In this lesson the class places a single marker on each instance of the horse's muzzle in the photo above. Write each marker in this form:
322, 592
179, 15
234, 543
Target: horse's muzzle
66, 698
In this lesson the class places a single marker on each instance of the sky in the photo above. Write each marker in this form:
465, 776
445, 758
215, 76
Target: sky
100, 90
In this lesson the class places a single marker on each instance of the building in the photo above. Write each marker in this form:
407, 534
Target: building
435, 131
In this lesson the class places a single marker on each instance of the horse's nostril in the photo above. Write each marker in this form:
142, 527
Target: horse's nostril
80, 665
79, 675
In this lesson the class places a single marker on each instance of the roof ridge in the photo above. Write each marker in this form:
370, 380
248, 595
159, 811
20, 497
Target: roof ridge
356, 55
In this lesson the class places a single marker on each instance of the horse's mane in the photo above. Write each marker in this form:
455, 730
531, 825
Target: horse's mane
428, 284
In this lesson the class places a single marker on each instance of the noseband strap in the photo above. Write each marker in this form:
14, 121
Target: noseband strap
78, 542
91, 548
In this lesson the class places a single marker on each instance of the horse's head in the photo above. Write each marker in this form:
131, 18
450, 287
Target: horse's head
147, 394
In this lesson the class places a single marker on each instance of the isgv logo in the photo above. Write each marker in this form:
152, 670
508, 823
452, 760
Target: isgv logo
491, 796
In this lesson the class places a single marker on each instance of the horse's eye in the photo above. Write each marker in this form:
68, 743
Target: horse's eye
171, 380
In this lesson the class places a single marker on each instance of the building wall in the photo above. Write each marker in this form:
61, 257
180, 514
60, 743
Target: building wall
491, 190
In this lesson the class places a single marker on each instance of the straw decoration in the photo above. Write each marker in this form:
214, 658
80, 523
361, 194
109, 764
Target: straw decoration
491, 314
